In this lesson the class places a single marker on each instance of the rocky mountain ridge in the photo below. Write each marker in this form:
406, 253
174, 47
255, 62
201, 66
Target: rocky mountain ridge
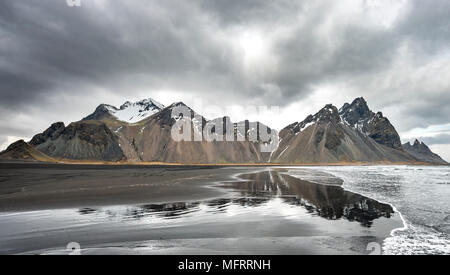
422, 152
375, 125
339, 136
20, 150
144, 132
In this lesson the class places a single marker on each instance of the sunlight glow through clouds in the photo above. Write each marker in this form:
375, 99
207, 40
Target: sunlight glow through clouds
253, 45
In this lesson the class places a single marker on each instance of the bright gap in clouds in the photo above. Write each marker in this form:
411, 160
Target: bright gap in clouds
253, 45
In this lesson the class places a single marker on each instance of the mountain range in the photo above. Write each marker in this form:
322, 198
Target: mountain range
421, 151
141, 132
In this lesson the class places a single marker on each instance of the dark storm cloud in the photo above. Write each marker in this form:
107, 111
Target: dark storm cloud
428, 25
51, 53
58, 44
249, 12
366, 56
308, 61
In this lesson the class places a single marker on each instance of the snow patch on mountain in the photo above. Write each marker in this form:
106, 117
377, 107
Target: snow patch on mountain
135, 112
327, 114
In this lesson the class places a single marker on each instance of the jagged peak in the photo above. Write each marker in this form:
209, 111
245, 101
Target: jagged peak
103, 105
422, 152
359, 100
177, 104
148, 102
106, 107
329, 107
126, 105
18, 144
167, 115
358, 107
169, 109
59, 124
329, 113
21, 150
416, 144
358, 114
51, 132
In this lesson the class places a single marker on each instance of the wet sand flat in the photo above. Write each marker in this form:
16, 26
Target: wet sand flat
183, 210
32, 186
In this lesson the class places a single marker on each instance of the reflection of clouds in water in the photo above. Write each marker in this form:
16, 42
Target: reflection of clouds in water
288, 211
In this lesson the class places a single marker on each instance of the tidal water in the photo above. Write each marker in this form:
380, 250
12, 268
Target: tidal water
265, 212
421, 194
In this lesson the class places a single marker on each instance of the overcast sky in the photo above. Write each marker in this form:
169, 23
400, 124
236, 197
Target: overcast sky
57, 63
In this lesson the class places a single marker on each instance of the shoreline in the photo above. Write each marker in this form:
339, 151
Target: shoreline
405, 224
217, 165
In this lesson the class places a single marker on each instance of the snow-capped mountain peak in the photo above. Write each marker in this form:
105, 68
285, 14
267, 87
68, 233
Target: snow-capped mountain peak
135, 112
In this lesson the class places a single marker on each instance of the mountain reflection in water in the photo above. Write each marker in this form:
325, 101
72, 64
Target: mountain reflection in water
327, 201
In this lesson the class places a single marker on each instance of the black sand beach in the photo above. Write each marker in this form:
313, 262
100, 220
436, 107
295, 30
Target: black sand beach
37, 186
182, 210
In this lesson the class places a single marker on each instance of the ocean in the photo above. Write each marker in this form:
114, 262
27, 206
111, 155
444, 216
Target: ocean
420, 193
